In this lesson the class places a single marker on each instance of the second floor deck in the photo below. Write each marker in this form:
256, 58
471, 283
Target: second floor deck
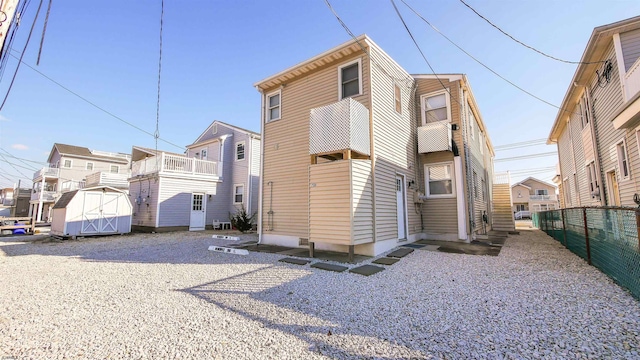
177, 165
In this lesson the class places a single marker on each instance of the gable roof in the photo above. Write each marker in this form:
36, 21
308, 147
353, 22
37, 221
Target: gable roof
80, 151
218, 122
536, 180
139, 153
520, 184
594, 52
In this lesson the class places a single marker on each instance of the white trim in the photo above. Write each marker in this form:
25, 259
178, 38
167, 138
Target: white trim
619, 160
359, 62
622, 71
235, 188
117, 167
452, 178
244, 149
433, 94
214, 128
406, 213
64, 162
449, 77
206, 153
157, 215
86, 165
397, 99
267, 115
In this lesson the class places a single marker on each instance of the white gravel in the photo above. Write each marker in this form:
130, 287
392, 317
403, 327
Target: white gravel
165, 296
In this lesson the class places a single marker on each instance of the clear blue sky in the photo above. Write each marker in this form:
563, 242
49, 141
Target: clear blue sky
213, 51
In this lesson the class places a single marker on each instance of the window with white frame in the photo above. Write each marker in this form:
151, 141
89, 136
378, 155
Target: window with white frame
273, 106
203, 154
214, 129
623, 162
435, 107
398, 98
584, 112
542, 192
439, 180
472, 123
89, 166
592, 178
67, 164
350, 79
240, 151
238, 194
114, 169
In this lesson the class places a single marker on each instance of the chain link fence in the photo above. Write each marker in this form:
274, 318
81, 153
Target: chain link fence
606, 238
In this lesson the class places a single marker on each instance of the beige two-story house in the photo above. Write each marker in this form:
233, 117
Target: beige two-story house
598, 129
532, 195
360, 156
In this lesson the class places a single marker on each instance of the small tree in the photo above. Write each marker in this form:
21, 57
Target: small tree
241, 220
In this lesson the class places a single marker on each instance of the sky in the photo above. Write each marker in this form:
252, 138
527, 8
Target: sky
107, 53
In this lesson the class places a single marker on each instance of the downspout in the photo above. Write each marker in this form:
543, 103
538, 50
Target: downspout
260, 178
466, 149
594, 136
371, 150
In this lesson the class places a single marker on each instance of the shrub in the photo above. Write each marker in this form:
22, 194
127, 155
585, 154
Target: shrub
241, 220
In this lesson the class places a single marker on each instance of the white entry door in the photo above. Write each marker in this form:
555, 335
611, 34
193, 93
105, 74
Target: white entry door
91, 212
109, 221
402, 231
198, 212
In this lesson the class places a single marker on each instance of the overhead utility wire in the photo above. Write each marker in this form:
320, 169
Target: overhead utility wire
6, 46
520, 143
523, 44
526, 156
96, 106
13, 166
478, 61
44, 31
13, 79
23, 160
156, 134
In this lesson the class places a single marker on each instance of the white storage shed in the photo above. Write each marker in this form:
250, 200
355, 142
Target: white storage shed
101, 210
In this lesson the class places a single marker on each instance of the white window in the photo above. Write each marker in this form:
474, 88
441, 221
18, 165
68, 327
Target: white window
584, 111
472, 123
214, 129
521, 207
439, 180
350, 79
623, 162
592, 178
238, 194
435, 107
89, 166
240, 151
398, 98
67, 164
203, 154
542, 192
114, 169
273, 106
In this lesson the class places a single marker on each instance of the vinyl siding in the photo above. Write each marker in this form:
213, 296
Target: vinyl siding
567, 166
582, 195
630, 43
239, 169
175, 200
394, 144
144, 213
255, 175
362, 201
286, 147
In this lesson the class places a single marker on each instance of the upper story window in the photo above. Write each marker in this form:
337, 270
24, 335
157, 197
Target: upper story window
350, 79
203, 154
214, 129
623, 162
89, 166
439, 180
67, 164
114, 169
398, 98
542, 192
584, 111
240, 151
435, 107
472, 123
273, 106
238, 194
592, 178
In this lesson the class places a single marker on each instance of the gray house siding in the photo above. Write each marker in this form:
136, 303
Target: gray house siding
143, 194
630, 43
175, 199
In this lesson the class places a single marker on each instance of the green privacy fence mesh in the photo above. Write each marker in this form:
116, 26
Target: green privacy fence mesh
606, 237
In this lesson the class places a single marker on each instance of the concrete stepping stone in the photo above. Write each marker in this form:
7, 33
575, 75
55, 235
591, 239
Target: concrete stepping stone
400, 253
385, 261
366, 270
295, 261
329, 267
414, 246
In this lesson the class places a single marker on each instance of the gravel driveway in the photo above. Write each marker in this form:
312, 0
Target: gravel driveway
165, 296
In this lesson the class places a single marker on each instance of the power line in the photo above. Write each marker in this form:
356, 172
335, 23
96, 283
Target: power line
481, 63
156, 134
96, 106
24, 161
13, 166
531, 156
520, 143
522, 43
13, 79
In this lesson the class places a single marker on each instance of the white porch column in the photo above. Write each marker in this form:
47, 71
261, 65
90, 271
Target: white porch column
41, 200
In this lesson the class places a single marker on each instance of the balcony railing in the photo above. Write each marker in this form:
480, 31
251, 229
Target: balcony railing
433, 137
48, 172
72, 185
543, 197
104, 178
632, 79
524, 214
343, 125
174, 164
46, 195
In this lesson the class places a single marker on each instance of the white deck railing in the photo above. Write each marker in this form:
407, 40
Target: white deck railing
48, 172
502, 178
175, 165
542, 197
632, 79
118, 180
71, 185
522, 215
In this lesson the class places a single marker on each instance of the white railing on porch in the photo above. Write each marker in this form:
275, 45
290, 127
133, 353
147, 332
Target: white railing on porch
175, 165
542, 197
48, 172
106, 178
522, 215
632, 80
502, 178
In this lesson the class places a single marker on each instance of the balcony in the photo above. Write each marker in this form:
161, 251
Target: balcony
104, 178
338, 127
433, 137
179, 165
47, 196
46, 172
543, 198
632, 80
71, 185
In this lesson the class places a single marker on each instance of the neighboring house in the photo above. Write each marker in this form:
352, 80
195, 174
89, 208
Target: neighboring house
532, 195
360, 156
216, 176
71, 168
597, 131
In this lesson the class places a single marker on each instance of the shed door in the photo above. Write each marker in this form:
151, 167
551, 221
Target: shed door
91, 212
198, 212
109, 221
